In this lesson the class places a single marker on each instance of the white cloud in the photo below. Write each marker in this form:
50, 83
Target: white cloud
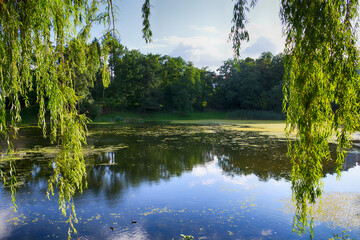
263, 37
208, 46
201, 50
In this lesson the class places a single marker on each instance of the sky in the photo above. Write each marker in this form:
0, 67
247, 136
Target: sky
198, 30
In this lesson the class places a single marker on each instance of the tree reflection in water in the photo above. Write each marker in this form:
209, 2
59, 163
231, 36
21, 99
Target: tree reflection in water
153, 157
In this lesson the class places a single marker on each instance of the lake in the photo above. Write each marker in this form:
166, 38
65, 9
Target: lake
160, 181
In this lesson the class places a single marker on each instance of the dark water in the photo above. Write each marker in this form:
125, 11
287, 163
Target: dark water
172, 180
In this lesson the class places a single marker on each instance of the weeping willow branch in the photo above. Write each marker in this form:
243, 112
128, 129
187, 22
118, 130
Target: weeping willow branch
37, 44
320, 92
147, 33
321, 88
238, 31
41, 50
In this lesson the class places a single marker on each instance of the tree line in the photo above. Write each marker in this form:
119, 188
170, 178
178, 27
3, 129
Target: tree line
153, 82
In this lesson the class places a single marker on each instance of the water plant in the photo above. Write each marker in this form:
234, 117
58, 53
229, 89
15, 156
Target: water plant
186, 237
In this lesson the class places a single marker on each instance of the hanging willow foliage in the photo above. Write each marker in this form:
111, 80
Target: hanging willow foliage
238, 31
44, 45
321, 88
40, 47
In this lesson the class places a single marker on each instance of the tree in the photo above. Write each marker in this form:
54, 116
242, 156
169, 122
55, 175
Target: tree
251, 84
171, 73
275, 96
151, 82
83, 74
28, 29
321, 87
184, 88
321, 71
34, 35
205, 89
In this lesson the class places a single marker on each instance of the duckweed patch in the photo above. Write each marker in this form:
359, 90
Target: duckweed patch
335, 209
40, 152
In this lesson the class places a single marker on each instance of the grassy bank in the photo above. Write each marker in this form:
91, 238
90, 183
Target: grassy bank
30, 116
208, 117
157, 116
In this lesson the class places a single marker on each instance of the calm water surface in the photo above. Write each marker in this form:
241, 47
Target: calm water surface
172, 180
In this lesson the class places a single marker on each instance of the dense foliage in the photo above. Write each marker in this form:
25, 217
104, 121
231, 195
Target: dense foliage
155, 83
149, 83
251, 84
321, 90
38, 41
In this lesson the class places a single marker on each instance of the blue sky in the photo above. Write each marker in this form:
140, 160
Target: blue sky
197, 30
